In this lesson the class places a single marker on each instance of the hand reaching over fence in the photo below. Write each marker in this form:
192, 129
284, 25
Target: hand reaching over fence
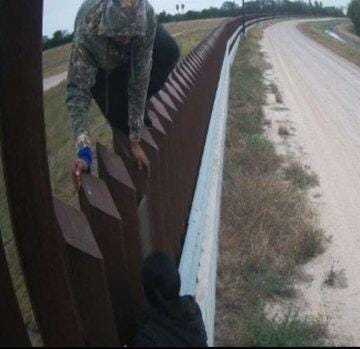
78, 166
140, 157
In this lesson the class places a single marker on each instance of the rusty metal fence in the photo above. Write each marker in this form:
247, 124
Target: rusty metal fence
82, 269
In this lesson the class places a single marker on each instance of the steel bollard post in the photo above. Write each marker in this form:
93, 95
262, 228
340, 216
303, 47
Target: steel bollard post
106, 224
87, 277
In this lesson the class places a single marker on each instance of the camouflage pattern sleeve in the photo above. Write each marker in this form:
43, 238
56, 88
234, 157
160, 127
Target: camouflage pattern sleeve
81, 78
139, 81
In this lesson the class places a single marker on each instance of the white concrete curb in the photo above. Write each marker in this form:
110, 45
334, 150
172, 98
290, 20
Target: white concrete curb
199, 258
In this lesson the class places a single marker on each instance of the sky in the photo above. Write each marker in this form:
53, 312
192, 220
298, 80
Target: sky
60, 14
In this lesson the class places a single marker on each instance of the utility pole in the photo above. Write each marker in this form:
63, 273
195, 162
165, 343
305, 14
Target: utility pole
177, 12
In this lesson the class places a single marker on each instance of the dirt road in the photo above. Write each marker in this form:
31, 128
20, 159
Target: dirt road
322, 94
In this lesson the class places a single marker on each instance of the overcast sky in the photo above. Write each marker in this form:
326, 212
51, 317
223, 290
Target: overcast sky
60, 14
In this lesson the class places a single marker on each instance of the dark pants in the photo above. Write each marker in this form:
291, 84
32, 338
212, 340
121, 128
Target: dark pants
165, 56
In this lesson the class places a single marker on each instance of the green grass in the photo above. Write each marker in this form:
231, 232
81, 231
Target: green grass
60, 143
267, 284
290, 331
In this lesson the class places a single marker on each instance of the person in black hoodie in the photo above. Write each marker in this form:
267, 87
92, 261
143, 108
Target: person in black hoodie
173, 321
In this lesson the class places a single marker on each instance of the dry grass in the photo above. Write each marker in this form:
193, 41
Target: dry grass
55, 60
300, 176
316, 31
190, 26
188, 40
188, 34
283, 131
276, 92
268, 226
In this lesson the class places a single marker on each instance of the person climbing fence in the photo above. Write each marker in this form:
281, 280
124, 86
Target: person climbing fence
120, 58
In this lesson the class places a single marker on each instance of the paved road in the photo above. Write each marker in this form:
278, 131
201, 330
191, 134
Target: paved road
54, 81
322, 92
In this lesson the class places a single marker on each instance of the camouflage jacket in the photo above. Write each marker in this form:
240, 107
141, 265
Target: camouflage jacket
97, 23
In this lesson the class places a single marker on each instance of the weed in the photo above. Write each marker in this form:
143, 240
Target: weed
336, 279
283, 131
267, 122
317, 195
267, 283
330, 277
300, 176
276, 92
292, 331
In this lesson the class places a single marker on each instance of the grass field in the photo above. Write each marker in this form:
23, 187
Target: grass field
55, 61
60, 145
316, 31
268, 227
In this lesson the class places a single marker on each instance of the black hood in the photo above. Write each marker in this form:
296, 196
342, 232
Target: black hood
180, 325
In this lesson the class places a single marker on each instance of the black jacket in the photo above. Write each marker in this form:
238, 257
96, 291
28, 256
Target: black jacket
180, 325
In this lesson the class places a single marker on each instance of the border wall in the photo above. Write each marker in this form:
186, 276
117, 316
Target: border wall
82, 268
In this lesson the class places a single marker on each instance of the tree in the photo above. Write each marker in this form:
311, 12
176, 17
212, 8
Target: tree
59, 35
354, 14
162, 17
229, 6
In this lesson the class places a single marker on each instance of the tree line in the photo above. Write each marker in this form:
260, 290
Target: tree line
60, 37
233, 9
354, 14
228, 9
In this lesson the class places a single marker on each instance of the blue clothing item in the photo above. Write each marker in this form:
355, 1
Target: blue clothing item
85, 154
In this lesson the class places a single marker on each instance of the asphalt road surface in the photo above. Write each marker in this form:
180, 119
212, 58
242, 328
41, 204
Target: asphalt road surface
54, 81
322, 92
